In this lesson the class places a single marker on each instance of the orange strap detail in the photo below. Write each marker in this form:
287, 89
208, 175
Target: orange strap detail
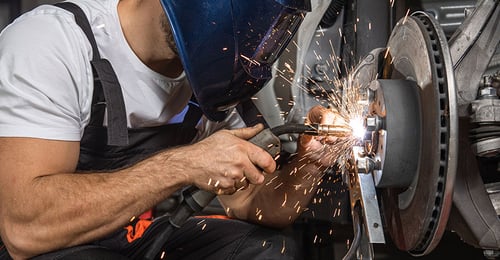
147, 215
135, 232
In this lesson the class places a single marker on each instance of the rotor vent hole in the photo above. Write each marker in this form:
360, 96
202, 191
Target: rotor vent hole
437, 59
434, 214
441, 171
428, 233
440, 186
441, 86
443, 121
432, 223
439, 72
437, 202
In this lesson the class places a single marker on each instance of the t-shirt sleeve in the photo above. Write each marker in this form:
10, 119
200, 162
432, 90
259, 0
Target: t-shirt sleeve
45, 77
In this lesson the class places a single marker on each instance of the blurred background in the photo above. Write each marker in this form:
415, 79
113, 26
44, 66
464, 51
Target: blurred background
10, 9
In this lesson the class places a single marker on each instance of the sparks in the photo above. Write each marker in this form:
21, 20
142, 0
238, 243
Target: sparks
406, 16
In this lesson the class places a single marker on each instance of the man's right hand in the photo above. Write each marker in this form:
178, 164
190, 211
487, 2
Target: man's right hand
222, 162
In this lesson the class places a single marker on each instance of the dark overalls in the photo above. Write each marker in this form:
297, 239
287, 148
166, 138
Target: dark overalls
115, 146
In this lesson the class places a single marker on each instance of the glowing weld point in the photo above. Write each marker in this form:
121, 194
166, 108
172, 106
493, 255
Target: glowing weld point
358, 129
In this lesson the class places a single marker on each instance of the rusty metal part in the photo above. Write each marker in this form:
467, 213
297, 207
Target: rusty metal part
416, 217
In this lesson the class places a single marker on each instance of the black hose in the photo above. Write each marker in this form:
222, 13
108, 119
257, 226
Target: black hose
291, 129
351, 253
330, 15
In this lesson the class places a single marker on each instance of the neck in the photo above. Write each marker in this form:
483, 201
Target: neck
141, 22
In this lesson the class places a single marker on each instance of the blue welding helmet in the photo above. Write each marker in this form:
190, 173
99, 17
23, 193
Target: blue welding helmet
227, 47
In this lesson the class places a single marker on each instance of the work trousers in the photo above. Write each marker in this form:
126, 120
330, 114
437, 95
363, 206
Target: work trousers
199, 238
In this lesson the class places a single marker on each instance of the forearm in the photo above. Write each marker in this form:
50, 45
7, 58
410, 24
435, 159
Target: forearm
283, 196
79, 208
45, 206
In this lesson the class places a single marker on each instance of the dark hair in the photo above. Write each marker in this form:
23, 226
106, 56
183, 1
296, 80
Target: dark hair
169, 36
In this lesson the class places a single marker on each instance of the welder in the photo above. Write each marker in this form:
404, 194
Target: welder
108, 107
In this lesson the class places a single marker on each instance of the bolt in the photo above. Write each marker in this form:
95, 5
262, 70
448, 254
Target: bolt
468, 11
321, 69
365, 164
369, 58
488, 93
372, 123
491, 254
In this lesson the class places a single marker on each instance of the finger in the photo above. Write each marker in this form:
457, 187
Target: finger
328, 117
253, 174
305, 140
247, 132
221, 187
223, 183
315, 114
227, 191
261, 161
242, 184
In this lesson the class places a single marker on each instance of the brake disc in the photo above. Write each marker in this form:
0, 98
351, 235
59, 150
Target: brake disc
416, 217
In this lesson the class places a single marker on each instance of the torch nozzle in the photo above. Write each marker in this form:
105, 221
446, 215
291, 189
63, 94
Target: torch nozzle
330, 130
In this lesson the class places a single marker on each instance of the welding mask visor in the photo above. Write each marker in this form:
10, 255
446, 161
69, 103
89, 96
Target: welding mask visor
228, 47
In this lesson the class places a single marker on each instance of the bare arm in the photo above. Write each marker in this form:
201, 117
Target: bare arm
46, 206
286, 193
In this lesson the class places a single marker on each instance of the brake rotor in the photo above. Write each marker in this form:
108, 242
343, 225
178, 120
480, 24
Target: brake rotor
416, 217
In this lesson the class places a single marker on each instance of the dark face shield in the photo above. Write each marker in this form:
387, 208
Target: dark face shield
258, 53
228, 47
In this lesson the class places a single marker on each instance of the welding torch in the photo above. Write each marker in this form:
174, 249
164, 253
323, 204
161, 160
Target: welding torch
194, 200
313, 129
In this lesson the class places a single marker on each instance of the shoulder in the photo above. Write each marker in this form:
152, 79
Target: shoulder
44, 72
46, 29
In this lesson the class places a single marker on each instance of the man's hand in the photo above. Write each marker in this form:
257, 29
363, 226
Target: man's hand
320, 149
225, 161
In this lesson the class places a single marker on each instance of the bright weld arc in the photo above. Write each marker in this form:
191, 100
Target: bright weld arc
358, 128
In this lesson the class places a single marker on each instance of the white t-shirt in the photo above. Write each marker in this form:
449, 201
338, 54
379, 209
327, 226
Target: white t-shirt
46, 80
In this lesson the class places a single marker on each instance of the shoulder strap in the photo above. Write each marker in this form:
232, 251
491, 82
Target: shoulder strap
107, 89
83, 22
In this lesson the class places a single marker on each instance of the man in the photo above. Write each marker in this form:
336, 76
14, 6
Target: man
71, 180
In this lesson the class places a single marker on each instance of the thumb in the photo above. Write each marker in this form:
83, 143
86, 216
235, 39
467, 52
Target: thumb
247, 132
